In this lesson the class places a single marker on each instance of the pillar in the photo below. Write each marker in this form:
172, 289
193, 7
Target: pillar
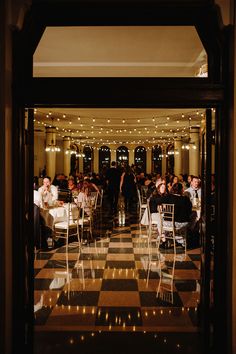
113, 148
163, 161
51, 155
81, 162
131, 154
194, 152
178, 157
148, 159
66, 157
95, 160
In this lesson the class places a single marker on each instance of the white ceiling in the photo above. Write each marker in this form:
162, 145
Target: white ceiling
119, 52
160, 51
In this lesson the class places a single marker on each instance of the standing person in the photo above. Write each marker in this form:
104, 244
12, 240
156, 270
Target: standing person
113, 185
128, 188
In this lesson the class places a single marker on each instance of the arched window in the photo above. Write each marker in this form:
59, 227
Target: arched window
140, 158
156, 159
122, 156
88, 159
171, 158
104, 157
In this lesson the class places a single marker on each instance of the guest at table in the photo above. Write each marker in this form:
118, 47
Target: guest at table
156, 199
88, 187
194, 191
71, 185
48, 191
183, 206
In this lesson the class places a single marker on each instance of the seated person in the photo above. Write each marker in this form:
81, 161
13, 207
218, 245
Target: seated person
84, 195
155, 200
183, 206
157, 197
40, 232
71, 185
48, 192
194, 191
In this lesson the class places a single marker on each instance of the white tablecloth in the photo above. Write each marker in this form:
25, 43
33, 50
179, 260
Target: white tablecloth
57, 214
155, 217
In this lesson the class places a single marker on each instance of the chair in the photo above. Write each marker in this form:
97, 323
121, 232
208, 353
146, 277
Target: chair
142, 206
154, 224
165, 289
151, 228
64, 195
143, 194
94, 198
100, 198
86, 219
69, 227
172, 230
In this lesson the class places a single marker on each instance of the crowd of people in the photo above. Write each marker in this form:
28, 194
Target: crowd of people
123, 182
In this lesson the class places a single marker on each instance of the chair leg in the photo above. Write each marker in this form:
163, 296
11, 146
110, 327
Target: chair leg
174, 242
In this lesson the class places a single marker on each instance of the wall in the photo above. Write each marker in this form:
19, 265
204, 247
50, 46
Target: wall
40, 155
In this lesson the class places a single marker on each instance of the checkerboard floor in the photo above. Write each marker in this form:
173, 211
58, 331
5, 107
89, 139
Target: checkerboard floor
105, 285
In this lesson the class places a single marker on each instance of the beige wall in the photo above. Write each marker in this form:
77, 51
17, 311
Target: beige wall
39, 154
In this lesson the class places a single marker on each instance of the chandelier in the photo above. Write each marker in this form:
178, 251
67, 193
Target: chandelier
52, 147
188, 144
172, 151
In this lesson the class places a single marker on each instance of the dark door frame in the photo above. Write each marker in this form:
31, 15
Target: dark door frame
118, 92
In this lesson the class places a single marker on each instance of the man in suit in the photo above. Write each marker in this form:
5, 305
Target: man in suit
113, 185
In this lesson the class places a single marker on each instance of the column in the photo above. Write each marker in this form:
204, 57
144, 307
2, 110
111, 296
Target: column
194, 152
163, 161
95, 160
81, 162
131, 154
148, 159
51, 155
178, 156
113, 148
66, 157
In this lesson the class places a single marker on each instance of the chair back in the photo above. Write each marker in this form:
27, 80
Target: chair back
139, 197
94, 198
143, 194
167, 216
64, 195
100, 198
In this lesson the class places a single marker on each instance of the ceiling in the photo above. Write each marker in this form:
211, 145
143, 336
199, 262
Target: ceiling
119, 51
120, 126
162, 51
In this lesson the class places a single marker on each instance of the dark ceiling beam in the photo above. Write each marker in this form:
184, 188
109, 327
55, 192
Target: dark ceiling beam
123, 92
120, 13
203, 14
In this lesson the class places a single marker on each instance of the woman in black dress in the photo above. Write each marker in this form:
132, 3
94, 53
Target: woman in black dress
128, 188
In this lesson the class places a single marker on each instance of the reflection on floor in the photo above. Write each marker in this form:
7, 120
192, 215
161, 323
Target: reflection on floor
103, 294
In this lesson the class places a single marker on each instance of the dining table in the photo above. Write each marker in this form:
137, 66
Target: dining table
53, 214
